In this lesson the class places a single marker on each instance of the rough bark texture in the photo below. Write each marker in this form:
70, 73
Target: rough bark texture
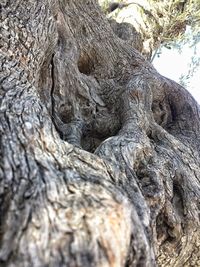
99, 153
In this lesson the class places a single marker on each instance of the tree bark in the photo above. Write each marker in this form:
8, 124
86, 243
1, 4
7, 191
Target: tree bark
99, 152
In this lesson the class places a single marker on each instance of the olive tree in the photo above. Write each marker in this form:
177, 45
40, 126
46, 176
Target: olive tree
158, 22
100, 154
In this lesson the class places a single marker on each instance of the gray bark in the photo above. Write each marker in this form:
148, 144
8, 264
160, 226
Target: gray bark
99, 152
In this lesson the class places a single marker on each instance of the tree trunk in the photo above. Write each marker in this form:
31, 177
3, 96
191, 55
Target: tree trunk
99, 152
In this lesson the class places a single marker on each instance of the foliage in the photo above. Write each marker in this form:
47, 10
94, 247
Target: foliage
160, 22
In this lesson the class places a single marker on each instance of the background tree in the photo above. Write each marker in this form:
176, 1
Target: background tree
99, 152
159, 23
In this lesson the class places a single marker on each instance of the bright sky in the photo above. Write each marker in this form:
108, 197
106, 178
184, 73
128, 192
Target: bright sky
173, 64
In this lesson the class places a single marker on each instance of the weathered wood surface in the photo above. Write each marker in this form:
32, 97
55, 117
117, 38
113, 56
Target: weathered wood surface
100, 154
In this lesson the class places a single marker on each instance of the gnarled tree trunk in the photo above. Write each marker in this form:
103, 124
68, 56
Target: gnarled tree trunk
99, 152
